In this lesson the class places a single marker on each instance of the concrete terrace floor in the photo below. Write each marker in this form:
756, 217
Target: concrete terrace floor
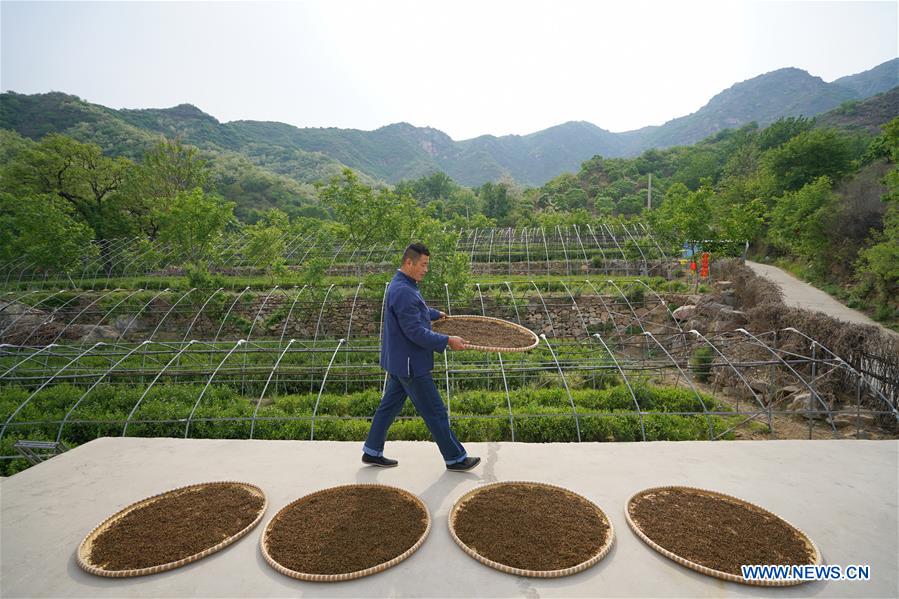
843, 494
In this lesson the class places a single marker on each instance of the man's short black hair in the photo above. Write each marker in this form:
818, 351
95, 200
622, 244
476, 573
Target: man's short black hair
414, 251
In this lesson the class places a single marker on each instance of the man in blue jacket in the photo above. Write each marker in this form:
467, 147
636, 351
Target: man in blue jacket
407, 354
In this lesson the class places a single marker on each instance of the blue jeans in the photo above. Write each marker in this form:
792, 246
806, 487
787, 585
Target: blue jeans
429, 405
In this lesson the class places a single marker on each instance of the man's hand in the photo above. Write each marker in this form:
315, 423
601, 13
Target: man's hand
457, 343
442, 314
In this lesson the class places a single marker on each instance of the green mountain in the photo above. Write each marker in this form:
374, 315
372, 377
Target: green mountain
403, 151
873, 81
764, 99
237, 175
868, 115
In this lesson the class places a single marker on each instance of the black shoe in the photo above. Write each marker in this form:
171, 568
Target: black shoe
466, 464
378, 461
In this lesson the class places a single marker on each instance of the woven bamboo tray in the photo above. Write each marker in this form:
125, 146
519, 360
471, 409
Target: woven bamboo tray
502, 323
710, 571
610, 538
263, 541
84, 549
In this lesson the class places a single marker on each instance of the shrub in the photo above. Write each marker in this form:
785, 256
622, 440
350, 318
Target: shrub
700, 363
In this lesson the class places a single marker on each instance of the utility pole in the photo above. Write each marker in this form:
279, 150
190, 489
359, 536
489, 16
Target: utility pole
649, 196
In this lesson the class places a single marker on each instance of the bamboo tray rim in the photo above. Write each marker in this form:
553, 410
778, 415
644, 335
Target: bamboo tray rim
84, 548
711, 571
310, 577
503, 322
601, 552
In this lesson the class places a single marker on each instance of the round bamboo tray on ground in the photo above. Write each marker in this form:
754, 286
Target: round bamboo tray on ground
500, 323
711, 571
348, 575
601, 553
84, 549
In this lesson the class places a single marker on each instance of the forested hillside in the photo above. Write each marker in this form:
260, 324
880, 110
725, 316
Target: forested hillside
403, 151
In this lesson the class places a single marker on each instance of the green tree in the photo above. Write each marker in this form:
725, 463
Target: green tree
808, 156
43, 230
783, 130
168, 168
79, 174
797, 221
193, 225
267, 244
371, 216
697, 164
684, 216
878, 265
427, 189
447, 266
741, 222
629, 205
495, 199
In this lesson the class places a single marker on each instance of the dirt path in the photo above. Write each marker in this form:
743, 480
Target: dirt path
802, 295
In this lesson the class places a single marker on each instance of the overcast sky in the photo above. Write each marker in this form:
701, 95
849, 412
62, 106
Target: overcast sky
465, 67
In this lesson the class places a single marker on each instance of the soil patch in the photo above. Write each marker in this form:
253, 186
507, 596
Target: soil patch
174, 526
715, 531
531, 526
489, 333
345, 529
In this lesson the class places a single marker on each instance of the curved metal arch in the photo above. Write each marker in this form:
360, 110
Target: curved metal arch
119, 303
153, 382
764, 409
289, 313
793, 370
581, 243
83, 310
605, 307
139, 312
576, 308
626, 383
159, 324
252, 328
689, 382
19, 299
26, 359
599, 246
25, 312
322, 388
630, 307
640, 249
662, 302
649, 234
545, 248
265, 388
228, 313
50, 318
514, 304
617, 245
564, 251
200, 311
848, 366
320, 313
91, 388
44, 384
502, 370
545, 310
577, 420
208, 382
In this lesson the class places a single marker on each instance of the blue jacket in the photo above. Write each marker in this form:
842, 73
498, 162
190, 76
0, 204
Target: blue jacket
408, 345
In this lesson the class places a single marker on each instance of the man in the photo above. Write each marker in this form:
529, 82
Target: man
407, 354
